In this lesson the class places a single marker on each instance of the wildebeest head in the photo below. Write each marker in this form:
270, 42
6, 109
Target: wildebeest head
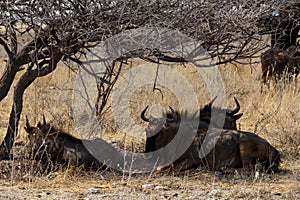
43, 142
155, 125
223, 118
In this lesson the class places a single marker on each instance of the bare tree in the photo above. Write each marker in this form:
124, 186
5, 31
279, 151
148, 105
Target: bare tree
64, 30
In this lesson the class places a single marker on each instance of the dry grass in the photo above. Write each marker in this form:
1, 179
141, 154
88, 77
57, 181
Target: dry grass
273, 114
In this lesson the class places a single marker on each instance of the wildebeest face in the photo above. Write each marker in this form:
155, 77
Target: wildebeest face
159, 128
41, 140
157, 124
35, 135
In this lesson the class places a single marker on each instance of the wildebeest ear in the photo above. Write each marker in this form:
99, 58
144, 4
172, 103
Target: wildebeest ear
43, 124
236, 117
39, 125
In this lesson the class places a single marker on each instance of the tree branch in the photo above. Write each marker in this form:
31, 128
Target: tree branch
6, 48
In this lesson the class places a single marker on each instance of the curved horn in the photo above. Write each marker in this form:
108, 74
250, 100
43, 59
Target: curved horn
212, 101
27, 126
143, 115
27, 122
237, 109
44, 120
174, 115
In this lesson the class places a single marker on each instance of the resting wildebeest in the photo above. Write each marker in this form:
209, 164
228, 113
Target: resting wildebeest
214, 148
156, 124
47, 143
276, 62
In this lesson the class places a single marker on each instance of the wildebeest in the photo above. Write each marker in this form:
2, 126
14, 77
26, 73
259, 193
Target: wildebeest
156, 124
293, 63
47, 143
214, 148
275, 63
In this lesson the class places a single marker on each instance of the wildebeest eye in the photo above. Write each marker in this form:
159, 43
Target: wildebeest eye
166, 124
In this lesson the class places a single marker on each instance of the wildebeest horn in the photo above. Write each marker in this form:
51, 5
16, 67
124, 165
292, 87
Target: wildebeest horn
174, 115
44, 120
27, 127
212, 101
27, 122
237, 109
143, 115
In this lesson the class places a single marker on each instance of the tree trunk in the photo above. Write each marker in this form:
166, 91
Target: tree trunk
15, 113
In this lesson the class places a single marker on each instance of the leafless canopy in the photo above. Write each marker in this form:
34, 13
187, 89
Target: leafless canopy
64, 30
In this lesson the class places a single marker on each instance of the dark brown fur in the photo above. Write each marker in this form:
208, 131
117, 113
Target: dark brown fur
275, 63
233, 149
238, 149
293, 63
46, 143
156, 124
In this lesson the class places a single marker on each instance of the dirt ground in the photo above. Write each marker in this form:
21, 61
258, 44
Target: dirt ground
75, 183
190, 185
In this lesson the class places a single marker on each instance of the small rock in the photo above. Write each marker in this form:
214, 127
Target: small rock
160, 187
147, 186
93, 191
214, 192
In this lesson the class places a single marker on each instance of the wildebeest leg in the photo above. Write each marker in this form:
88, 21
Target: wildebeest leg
263, 80
294, 84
